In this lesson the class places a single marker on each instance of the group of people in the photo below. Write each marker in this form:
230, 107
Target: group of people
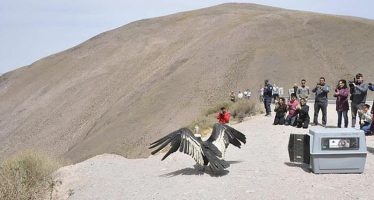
298, 113
355, 90
241, 95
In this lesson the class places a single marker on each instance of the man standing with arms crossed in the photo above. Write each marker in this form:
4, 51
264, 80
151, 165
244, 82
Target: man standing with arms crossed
321, 90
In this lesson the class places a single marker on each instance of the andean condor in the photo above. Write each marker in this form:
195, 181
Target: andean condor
211, 151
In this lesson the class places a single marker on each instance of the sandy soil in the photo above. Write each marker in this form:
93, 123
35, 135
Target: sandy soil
260, 170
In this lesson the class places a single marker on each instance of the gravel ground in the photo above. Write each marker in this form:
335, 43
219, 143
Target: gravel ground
260, 170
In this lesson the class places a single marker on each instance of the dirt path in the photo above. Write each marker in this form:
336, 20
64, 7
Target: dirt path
260, 170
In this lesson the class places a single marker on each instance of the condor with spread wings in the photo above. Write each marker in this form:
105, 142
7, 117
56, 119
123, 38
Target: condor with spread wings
210, 152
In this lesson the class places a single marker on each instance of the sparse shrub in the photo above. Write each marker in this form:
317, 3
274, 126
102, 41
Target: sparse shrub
27, 175
239, 110
243, 108
216, 107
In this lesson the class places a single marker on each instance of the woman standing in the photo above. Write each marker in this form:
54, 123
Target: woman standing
342, 106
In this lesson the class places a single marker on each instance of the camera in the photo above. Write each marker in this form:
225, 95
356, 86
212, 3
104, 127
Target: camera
351, 83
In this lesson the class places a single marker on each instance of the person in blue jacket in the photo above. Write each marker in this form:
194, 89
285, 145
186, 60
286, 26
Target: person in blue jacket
358, 90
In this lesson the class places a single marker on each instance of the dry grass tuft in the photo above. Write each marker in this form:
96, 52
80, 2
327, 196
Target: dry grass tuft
27, 175
216, 107
244, 108
239, 110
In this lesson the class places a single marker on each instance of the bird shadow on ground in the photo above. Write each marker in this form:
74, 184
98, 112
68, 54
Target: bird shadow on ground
370, 150
196, 170
303, 166
234, 162
200, 170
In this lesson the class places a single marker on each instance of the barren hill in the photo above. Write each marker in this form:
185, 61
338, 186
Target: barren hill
123, 88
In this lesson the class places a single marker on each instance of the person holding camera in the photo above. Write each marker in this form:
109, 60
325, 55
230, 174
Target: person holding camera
342, 105
292, 105
358, 91
280, 111
371, 86
223, 116
303, 112
321, 90
268, 96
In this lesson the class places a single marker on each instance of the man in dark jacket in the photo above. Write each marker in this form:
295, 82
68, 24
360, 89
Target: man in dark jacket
321, 90
303, 111
371, 87
268, 94
358, 91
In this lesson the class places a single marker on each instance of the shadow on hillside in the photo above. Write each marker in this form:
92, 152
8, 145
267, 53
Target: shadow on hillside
197, 170
370, 150
303, 166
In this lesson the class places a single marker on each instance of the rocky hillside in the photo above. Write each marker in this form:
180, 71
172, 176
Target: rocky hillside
124, 88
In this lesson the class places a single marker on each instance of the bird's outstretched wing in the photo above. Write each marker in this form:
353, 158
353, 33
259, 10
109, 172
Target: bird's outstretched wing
184, 140
234, 136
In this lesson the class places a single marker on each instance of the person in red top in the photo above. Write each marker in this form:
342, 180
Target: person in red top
291, 118
223, 116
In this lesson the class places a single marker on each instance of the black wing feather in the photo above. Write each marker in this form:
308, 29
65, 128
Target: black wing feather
184, 140
215, 163
202, 152
235, 137
237, 134
215, 132
174, 147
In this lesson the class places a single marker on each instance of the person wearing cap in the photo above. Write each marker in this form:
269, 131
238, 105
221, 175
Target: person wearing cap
268, 96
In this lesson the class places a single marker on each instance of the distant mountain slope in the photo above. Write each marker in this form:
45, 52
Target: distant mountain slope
124, 88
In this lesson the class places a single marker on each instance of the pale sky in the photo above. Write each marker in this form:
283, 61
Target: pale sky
33, 29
